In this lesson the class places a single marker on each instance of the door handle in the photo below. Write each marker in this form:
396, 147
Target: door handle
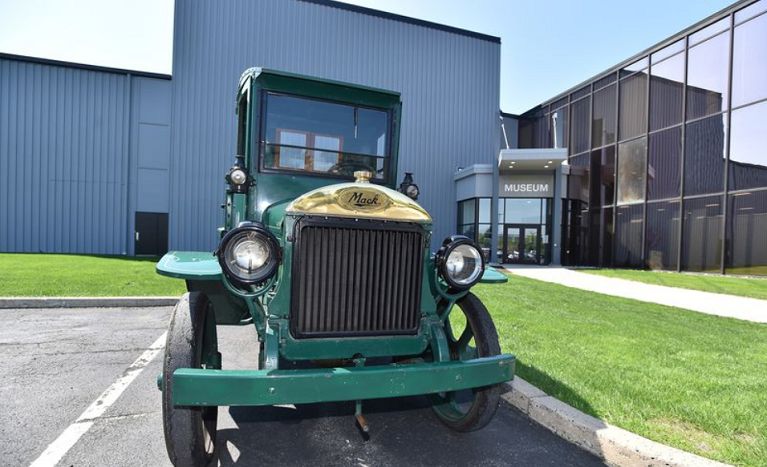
138, 236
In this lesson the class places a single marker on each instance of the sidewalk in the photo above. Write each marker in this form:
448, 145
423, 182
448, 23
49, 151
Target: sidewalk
748, 309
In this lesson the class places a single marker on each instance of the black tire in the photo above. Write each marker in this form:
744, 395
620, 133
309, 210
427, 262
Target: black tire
483, 402
190, 432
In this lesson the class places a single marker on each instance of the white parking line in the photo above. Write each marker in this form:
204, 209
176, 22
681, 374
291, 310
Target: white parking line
57, 449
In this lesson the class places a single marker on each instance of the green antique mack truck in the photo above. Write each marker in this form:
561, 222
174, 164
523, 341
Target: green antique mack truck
334, 268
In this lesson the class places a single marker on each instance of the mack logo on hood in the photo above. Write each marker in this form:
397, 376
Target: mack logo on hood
362, 199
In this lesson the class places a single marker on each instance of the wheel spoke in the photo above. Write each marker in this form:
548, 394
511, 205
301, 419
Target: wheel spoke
453, 403
469, 353
466, 336
447, 405
449, 331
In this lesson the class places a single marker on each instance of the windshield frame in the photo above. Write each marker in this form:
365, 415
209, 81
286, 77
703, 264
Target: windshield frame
385, 179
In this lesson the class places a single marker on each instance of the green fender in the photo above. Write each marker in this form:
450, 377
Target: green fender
190, 265
491, 276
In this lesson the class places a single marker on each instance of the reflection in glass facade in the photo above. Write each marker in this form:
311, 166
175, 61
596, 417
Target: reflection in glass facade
580, 112
747, 233
603, 117
702, 234
559, 128
602, 191
748, 147
662, 235
707, 65
467, 223
631, 171
664, 160
667, 92
633, 106
668, 154
705, 156
749, 62
628, 235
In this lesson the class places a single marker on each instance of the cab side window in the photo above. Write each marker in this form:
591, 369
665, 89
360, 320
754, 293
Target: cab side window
242, 124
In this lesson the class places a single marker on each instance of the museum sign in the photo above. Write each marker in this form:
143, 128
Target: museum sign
526, 186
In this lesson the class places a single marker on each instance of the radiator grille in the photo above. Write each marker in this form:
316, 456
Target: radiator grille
356, 278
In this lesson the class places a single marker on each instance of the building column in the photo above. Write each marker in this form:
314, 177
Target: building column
494, 217
556, 216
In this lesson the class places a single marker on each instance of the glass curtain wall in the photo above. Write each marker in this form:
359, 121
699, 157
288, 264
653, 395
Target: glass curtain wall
668, 166
474, 222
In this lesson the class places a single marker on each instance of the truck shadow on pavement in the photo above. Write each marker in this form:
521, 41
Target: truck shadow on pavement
403, 431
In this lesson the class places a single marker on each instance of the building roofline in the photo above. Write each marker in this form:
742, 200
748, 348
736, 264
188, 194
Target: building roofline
405, 19
724, 12
474, 169
82, 66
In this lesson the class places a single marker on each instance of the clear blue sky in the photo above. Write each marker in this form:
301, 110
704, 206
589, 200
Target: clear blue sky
547, 46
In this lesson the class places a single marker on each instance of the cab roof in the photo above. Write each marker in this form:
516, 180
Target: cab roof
293, 83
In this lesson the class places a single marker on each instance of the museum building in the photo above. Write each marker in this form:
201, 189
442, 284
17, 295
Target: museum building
659, 162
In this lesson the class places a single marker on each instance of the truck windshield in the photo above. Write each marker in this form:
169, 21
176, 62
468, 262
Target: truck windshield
321, 137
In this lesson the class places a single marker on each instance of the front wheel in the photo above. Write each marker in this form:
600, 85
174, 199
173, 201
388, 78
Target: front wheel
470, 334
190, 432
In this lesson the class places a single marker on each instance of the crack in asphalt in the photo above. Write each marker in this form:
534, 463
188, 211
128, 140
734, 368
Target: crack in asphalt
121, 416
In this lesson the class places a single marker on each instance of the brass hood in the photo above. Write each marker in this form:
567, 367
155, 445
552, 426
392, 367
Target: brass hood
360, 200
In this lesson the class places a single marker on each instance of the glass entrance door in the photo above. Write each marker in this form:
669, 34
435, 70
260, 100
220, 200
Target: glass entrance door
511, 242
522, 244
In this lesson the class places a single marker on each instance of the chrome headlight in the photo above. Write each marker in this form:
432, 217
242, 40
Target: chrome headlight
460, 262
249, 254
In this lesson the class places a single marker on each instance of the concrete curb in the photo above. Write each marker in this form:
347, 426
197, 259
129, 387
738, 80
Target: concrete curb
84, 302
615, 445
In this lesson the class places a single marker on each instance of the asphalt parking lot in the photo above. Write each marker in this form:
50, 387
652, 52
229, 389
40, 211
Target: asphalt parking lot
59, 361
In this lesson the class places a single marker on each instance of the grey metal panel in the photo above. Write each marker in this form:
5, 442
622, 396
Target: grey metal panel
474, 182
449, 85
152, 193
153, 146
150, 146
154, 101
63, 186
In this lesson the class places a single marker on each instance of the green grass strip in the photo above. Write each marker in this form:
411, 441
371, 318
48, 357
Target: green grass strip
742, 286
686, 379
49, 275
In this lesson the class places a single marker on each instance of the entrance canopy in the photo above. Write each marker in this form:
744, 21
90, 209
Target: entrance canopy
511, 161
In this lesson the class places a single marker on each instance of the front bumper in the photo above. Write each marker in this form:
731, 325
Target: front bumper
199, 387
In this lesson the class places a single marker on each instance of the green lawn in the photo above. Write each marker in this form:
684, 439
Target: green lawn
743, 286
24, 275
693, 381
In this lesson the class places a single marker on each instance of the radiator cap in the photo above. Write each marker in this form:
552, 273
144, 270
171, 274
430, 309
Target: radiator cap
363, 176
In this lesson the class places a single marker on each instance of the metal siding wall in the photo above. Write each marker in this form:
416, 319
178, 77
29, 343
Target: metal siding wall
62, 152
449, 85
151, 152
